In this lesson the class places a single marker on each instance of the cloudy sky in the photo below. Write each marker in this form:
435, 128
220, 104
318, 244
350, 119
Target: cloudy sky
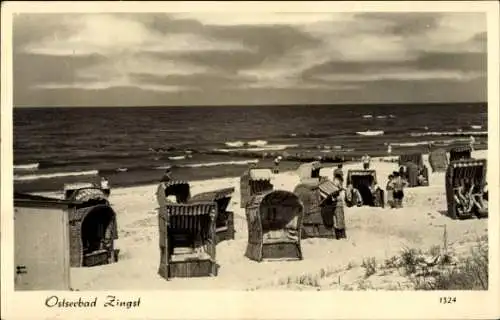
247, 58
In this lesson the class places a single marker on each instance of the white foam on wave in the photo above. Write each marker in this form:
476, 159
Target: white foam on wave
367, 116
381, 117
220, 163
448, 133
257, 143
271, 147
235, 144
476, 127
26, 167
177, 158
55, 175
239, 143
370, 133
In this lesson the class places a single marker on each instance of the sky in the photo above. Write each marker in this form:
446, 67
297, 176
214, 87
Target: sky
161, 59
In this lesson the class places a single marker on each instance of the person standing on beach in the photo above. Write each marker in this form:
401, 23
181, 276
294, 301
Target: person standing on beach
397, 185
390, 191
366, 161
277, 161
105, 186
340, 173
472, 141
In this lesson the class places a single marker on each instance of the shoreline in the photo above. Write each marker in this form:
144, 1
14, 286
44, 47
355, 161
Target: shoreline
130, 179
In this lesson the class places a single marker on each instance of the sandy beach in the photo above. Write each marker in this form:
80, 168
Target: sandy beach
371, 232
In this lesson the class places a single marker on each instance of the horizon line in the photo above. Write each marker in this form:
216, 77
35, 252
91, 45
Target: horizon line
256, 105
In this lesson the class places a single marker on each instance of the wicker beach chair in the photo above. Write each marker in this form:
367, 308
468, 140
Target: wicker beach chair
224, 222
438, 159
253, 182
41, 244
179, 189
187, 240
308, 171
461, 172
413, 171
460, 153
319, 208
365, 181
93, 229
274, 222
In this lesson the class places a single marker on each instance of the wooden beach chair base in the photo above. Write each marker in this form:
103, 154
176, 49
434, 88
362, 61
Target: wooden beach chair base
189, 269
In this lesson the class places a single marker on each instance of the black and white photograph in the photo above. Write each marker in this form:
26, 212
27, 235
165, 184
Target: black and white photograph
252, 151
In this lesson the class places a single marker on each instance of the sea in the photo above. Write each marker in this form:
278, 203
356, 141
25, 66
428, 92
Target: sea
133, 145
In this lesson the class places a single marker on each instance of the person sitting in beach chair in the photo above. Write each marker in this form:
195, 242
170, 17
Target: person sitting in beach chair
421, 178
463, 197
353, 196
479, 203
366, 161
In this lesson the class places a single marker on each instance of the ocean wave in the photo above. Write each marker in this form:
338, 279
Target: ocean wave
449, 133
367, 116
26, 167
177, 158
270, 147
257, 143
476, 127
370, 133
30, 177
220, 163
235, 144
432, 142
381, 117
239, 143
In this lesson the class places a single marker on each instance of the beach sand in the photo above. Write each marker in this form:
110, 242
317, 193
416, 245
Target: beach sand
371, 232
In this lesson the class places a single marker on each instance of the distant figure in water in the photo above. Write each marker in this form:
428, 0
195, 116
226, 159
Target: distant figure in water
472, 141
366, 161
277, 161
105, 186
389, 149
167, 175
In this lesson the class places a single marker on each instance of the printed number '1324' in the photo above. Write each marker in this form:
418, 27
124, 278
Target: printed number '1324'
446, 300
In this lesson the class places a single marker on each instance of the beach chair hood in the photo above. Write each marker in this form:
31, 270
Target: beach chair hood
254, 181
438, 160
460, 153
309, 170
178, 188
415, 158
221, 196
